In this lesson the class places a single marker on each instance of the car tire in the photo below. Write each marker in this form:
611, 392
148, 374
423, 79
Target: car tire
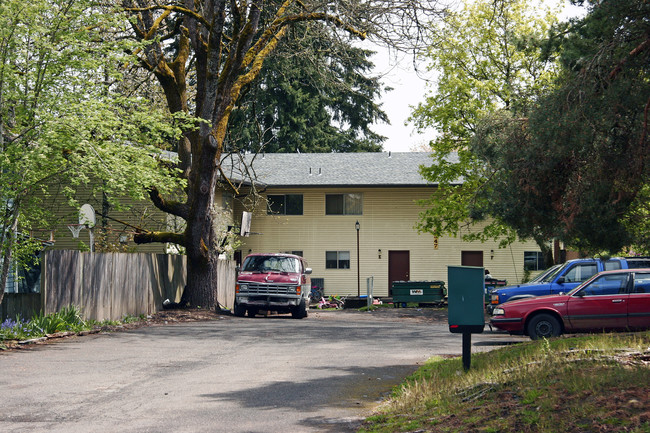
239, 310
300, 312
543, 326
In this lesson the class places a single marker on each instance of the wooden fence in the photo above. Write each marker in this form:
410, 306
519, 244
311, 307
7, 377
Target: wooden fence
111, 285
20, 304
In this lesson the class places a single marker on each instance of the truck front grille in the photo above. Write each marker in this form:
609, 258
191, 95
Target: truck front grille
269, 289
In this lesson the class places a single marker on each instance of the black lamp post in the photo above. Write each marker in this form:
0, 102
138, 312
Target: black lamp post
358, 226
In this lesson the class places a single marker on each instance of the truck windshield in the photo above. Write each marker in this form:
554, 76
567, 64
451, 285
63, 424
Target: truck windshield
551, 275
271, 264
542, 278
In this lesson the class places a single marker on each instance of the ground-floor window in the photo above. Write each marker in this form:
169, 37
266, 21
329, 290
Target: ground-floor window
337, 259
533, 261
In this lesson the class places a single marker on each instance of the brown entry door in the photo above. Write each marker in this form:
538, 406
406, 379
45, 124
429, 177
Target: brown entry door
471, 258
398, 268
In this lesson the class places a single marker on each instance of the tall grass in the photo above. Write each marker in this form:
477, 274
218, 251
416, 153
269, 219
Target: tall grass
525, 387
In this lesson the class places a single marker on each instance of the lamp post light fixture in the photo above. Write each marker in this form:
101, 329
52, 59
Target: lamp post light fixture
358, 226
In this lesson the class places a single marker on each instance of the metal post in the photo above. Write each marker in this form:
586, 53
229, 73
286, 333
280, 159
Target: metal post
358, 226
467, 350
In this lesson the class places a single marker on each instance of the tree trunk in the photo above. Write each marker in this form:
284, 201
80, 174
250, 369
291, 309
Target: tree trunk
201, 289
201, 238
547, 251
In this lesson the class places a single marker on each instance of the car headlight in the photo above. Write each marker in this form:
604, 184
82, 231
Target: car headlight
498, 312
243, 287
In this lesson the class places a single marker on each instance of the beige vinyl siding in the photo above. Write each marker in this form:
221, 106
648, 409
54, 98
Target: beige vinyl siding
137, 213
388, 223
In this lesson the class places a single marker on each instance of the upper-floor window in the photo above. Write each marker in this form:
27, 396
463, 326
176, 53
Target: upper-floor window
285, 204
344, 204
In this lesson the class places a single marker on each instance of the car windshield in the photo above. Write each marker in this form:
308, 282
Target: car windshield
271, 264
542, 277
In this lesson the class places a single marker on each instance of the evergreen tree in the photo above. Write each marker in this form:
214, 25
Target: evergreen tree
313, 95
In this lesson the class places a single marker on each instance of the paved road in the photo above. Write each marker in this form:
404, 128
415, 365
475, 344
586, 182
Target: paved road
275, 374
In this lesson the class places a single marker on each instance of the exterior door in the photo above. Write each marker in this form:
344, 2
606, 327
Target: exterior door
399, 268
471, 258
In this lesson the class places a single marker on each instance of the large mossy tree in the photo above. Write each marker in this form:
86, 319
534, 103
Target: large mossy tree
204, 54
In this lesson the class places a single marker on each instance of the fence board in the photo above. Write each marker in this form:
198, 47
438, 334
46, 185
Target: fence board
62, 281
20, 304
227, 275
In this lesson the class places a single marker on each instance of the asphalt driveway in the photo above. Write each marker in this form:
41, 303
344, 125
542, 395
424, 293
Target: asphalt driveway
275, 374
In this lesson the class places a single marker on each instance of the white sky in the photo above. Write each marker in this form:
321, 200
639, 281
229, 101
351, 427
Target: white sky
409, 90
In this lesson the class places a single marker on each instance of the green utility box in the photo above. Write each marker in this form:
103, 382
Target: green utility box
420, 292
466, 313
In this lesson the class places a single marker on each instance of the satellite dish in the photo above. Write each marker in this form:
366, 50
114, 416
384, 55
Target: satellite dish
87, 216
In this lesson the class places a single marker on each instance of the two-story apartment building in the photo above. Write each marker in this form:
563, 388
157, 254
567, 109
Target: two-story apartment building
351, 215
354, 215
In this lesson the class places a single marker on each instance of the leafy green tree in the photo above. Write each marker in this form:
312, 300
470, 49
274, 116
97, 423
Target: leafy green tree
577, 170
204, 53
313, 95
488, 59
61, 122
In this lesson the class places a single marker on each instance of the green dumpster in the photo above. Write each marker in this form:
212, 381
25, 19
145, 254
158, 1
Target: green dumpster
420, 292
491, 285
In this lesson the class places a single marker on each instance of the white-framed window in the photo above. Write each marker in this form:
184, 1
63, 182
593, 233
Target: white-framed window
344, 204
337, 259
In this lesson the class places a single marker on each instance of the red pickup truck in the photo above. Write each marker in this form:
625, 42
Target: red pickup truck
273, 282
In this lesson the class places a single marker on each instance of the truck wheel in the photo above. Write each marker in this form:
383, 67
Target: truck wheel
543, 326
300, 312
239, 310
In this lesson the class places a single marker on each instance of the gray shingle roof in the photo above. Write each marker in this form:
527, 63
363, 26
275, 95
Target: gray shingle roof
339, 169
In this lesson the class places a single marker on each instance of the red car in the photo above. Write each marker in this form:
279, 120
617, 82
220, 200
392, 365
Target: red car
612, 300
